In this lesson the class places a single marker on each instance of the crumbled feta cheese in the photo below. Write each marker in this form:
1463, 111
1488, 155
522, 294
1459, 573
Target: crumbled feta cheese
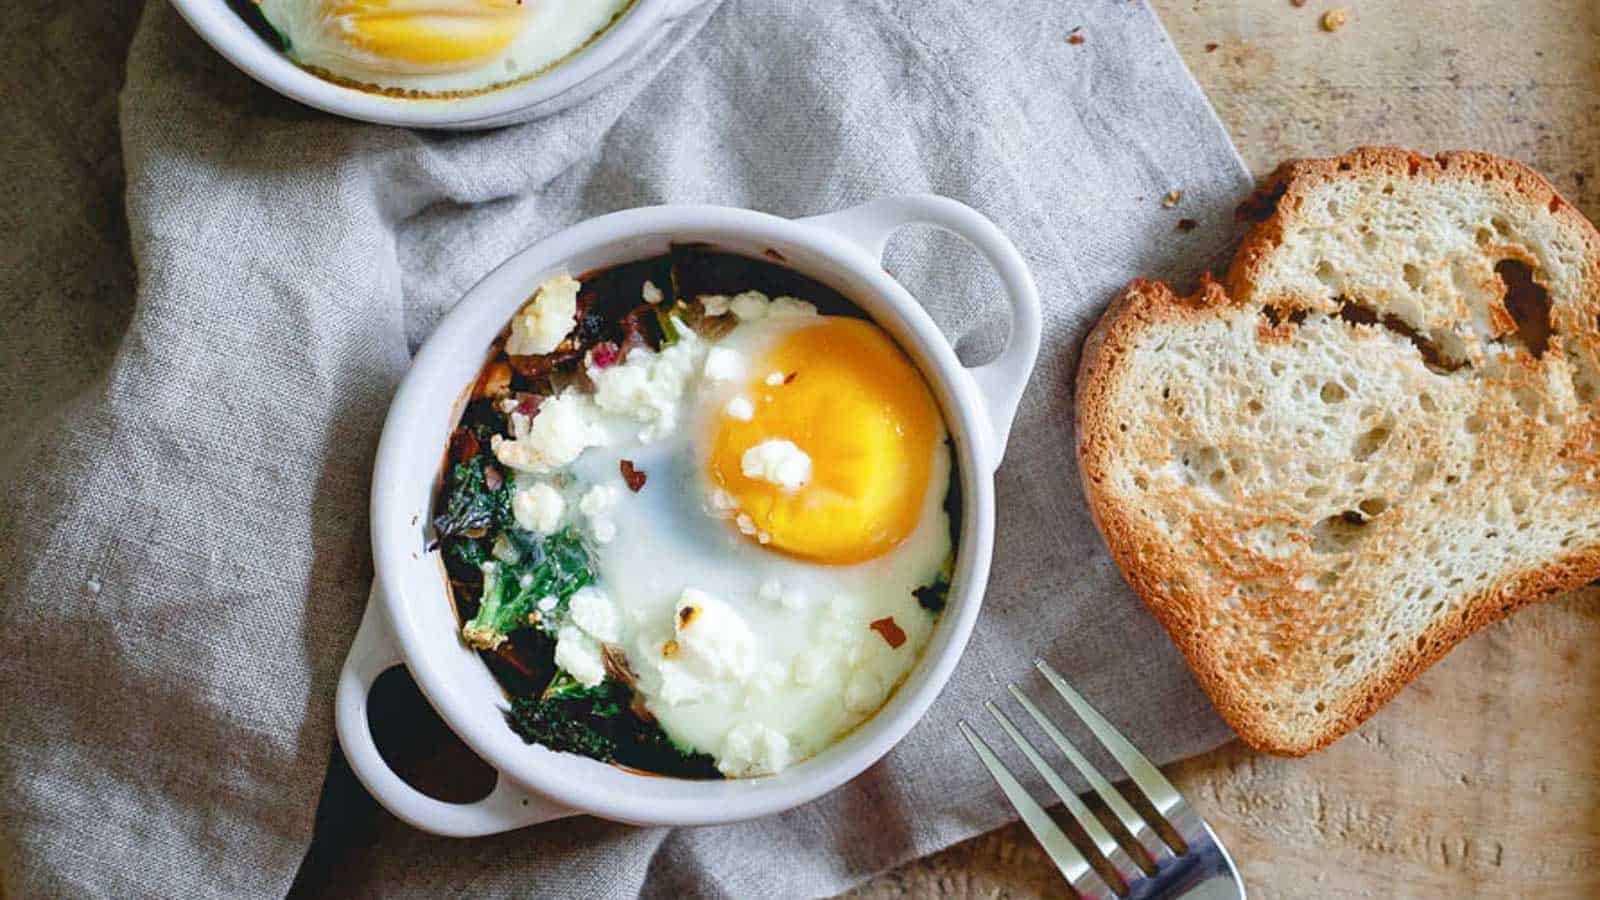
809, 666
723, 364
678, 686
789, 307
778, 462
741, 408
775, 378
599, 500
541, 325
648, 386
722, 501
746, 524
538, 508
713, 640
561, 429
749, 306
591, 609
714, 304
579, 656
864, 693
548, 602
768, 678
596, 504
650, 293
753, 748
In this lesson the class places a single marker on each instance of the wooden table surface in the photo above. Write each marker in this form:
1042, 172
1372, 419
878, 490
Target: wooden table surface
1483, 777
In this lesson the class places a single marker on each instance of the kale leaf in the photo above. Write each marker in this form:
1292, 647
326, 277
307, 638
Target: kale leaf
598, 722
479, 500
470, 552
575, 720
554, 566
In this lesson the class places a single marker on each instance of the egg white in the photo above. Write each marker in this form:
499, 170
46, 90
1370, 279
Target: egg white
814, 625
556, 29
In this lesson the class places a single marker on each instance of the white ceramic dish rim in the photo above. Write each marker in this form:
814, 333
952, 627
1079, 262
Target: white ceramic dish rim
222, 26
841, 249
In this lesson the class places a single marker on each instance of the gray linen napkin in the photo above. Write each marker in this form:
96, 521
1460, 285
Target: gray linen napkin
184, 555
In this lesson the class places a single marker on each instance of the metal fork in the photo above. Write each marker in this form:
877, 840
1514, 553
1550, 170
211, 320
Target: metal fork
1176, 855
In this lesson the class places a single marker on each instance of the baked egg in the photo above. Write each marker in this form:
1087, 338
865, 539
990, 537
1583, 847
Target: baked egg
712, 531
435, 47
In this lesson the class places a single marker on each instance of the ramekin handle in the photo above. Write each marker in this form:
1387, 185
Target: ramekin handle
1001, 382
506, 808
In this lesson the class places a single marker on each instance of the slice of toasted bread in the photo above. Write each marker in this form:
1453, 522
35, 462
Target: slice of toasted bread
1380, 436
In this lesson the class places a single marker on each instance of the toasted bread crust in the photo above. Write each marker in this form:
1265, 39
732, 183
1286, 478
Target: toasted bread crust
1160, 572
1280, 193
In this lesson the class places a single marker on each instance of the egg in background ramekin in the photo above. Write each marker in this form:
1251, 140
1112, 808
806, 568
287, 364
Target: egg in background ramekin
435, 48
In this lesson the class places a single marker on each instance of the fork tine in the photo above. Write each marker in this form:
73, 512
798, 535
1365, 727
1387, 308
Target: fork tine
1157, 789
1073, 866
1103, 841
1131, 820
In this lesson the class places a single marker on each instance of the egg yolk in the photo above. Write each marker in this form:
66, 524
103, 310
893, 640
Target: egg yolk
405, 36
852, 401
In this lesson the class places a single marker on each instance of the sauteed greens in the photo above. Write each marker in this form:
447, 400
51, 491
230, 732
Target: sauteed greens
523, 575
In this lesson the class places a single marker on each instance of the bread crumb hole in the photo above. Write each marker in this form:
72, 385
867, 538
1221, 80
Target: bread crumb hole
1337, 533
1373, 506
1344, 660
1370, 442
1333, 393
1426, 402
1528, 303
1325, 273
1413, 276
1483, 236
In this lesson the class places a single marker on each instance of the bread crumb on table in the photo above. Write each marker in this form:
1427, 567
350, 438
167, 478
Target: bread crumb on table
1075, 36
1334, 19
1172, 198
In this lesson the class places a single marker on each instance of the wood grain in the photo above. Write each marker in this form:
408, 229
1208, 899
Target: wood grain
1483, 778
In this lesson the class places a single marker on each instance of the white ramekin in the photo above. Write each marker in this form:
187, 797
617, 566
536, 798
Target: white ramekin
410, 620
629, 40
